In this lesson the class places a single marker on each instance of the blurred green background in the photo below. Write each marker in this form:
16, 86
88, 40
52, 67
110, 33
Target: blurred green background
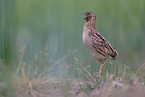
59, 23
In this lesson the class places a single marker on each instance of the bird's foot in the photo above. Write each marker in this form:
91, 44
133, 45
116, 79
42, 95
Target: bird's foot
95, 73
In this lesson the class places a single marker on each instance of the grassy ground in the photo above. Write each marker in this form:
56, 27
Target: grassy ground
31, 80
116, 81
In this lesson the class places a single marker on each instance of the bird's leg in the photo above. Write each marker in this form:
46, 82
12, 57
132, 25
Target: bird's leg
100, 71
104, 67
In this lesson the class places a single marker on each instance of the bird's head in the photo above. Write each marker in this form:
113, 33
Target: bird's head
89, 15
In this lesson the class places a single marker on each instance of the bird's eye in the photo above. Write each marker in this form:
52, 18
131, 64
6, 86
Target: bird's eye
88, 13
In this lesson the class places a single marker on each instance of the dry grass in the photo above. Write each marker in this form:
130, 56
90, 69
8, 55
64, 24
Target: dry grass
110, 84
31, 80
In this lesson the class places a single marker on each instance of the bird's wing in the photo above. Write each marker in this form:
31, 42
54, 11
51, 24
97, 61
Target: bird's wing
99, 40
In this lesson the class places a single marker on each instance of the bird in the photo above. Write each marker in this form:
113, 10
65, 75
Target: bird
99, 47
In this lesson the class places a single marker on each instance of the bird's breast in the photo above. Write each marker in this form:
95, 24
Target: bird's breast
86, 37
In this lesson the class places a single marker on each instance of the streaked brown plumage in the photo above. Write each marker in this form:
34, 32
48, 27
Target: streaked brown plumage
100, 48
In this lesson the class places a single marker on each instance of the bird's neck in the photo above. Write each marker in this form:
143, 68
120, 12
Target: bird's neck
91, 23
